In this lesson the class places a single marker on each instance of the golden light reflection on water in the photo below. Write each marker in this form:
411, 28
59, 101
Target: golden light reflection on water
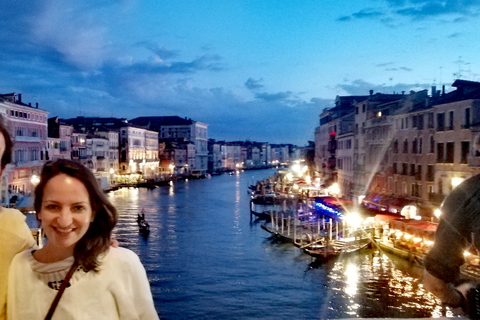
399, 287
238, 207
351, 275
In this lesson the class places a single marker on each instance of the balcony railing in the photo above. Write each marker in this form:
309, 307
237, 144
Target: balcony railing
473, 161
27, 139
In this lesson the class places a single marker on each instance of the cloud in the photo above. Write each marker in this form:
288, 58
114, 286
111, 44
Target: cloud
418, 10
384, 64
344, 18
161, 52
253, 84
367, 13
455, 35
78, 39
362, 87
280, 96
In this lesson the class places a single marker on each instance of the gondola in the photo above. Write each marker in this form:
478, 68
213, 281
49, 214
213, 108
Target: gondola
143, 225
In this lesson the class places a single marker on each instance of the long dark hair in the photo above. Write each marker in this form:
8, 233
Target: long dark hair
97, 239
7, 154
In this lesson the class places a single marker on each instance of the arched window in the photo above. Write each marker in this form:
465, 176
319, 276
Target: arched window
395, 146
415, 146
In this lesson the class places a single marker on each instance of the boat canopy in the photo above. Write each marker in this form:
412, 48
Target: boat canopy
335, 208
417, 228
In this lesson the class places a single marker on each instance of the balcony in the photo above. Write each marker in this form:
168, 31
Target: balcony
27, 139
473, 161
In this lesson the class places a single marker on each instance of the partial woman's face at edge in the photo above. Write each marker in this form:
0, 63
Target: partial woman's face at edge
2, 149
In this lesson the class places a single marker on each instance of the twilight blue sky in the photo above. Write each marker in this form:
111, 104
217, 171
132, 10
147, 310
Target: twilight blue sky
260, 69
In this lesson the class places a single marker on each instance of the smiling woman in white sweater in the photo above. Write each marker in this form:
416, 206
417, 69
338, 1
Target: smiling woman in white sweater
105, 283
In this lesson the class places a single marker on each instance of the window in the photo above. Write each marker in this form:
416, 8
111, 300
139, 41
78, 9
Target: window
415, 146
430, 120
420, 122
415, 190
418, 174
404, 169
420, 146
394, 167
405, 146
440, 152
440, 121
465, 151
450, 120
412, 169
395, 146
450, 152
430, 173
466, 123
432, 145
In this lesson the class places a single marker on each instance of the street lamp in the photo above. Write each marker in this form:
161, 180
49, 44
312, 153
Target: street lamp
35, 180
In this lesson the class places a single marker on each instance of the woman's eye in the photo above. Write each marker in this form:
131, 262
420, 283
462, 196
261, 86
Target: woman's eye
78, 208
51, 207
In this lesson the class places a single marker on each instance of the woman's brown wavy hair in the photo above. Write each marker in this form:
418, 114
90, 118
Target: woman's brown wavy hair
97, 239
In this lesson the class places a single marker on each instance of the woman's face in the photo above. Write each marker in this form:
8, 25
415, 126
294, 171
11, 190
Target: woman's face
65, 213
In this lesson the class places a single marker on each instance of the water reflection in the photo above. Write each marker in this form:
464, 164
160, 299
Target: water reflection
207, 258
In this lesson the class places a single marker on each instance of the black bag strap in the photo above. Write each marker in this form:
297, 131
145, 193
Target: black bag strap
60, 291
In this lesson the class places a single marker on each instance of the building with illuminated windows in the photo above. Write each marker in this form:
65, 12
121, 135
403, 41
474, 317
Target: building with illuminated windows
173, 127
28, 129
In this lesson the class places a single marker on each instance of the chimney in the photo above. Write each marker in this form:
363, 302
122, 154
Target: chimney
19, 98
371, 92
443, 90
36, 105
434, 91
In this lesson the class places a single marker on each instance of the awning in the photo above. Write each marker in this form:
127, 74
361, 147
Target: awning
25, 204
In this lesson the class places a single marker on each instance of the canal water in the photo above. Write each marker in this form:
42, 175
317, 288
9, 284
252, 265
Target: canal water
206, 258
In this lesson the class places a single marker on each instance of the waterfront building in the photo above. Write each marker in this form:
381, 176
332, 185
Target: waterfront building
133, 151
181, 154
111, 158
433, 148
173, 127
233, 156
59, 144
214, 156
409, 149
345, 154
98, 155
280, 154
457, 127
79, 145
138, 154
412, 151
28, 129
325, 145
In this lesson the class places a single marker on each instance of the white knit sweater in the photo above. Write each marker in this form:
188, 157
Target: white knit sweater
120, 290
